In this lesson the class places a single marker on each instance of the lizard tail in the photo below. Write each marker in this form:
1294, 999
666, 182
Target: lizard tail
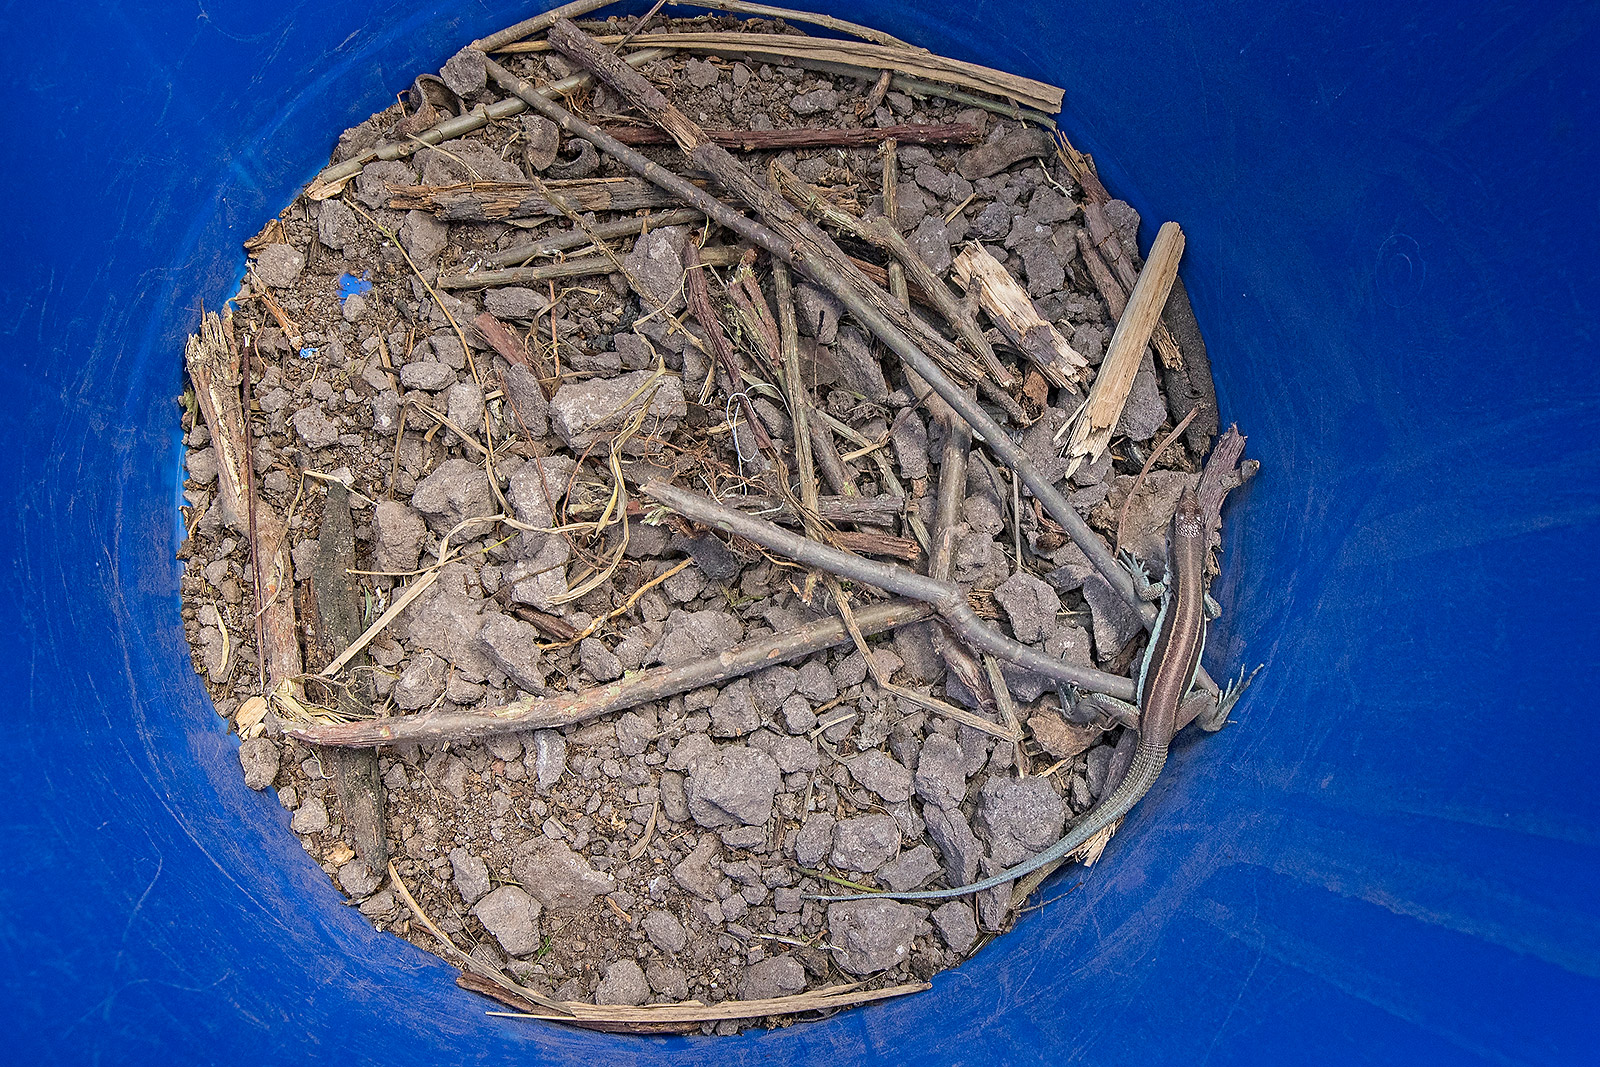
1146, 767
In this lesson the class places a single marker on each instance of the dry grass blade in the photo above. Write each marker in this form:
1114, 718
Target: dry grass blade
401, 602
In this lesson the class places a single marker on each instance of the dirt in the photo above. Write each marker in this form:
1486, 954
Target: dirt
660, 854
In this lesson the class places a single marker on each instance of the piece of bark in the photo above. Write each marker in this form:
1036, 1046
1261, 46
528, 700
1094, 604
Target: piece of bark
494, 201
539, 712
1092, 432
500, 338
1189, 384
868, 543
881, 510
1008, 307
212, 359
935, 133
357, 780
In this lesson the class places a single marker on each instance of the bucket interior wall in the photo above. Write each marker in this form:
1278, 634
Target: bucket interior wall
1392, 216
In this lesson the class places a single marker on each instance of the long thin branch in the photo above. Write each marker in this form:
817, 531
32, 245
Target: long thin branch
1008, 451
946, 597
538, 712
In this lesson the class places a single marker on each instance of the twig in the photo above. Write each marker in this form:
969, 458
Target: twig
935, 133
715, 256
565, 710
947, 598
575, 238
497, 201
1122, 512
827, 22
537, 24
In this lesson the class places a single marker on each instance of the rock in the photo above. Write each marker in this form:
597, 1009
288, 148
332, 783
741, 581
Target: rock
465, 160
357, 879
515, 302
698, 872
1144, 411
941, 779
464, 72
655, 267
1061, 739
992, 223
864, 843
777, 976
671, 982
797, 716
372, 185
464, 406
816, 102
701, 74
512, 917
734, 713
336, 225
397, 535
539, 580
791, 753
1115, 622
957, 844
1099, 769
583, 413
1020, 816
733, 786
909, 437
883, 775
694, 635
815, 839
860, 366
868, 936
664, 930
471, 876
816, 683
1125, 217
550, 757
558, 877
531, 409
912, 869
1011, 147
772, 687
932, 179
428, 375
258, 757
421, 683
1030, 604
457, 490
423, 237
279, 265
686, 752
447, 619
601, 663
311, 817
817, 312
513, 646
624, 983
315, 430
534, 490
712, 557
1045, 273
956, 925
931, 241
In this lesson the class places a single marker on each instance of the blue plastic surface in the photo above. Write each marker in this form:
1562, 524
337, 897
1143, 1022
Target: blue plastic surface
1393, 220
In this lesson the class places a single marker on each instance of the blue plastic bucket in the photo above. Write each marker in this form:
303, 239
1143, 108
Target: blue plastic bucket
1393, 221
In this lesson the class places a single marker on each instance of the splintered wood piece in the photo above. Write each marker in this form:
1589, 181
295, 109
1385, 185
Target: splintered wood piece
1008, 306
492, 201
213, 364
582, 267
538, 712
771, 140
1092, 432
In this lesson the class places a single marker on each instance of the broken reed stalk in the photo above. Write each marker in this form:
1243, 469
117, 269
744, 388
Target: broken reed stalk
1092, 433
497, 201
517, 255
715, 256
213, 362
811, 18
794, 389
537, 24
865, 312
533, 713
935, 133
1008, 306
882, 233
333, 179
945, 597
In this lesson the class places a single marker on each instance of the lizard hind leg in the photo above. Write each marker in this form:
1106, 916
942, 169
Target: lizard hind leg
1215, 717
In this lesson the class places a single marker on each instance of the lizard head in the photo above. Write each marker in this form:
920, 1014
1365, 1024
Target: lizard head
1187, 521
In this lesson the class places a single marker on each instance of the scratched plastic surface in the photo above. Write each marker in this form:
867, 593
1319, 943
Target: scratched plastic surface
1392, 215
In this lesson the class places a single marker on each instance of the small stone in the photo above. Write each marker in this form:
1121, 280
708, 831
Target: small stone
734, 713
358, 880
883, 775
779, 976
1061, 739
279, 265
558, 877
694, 635
1045, 273
655, 263
397, 534
734, 786
427, 375
624, 983
817, 313
941, 779
550, 757
700, 74
816, 102
315, 429
471, 875
1099, 769
664, 930
909, 437
598, 660
1030, 604
933, 179
868, 936
336, 225
773, 686
465, 73
815, 839
512, 917
912, 869
992, 223
1144, 411
1020, 816
421, 683
423, 237
513, 647
1011, 147
464, 406
515, 302
698, 872
797, 716
816, 683
864, 843
1115, 622
956, 925
931, 241
957, 844
586, 412
528, 403
258, 757
311, 817
670, 982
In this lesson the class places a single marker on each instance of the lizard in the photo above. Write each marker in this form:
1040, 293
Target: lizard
1166, 675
